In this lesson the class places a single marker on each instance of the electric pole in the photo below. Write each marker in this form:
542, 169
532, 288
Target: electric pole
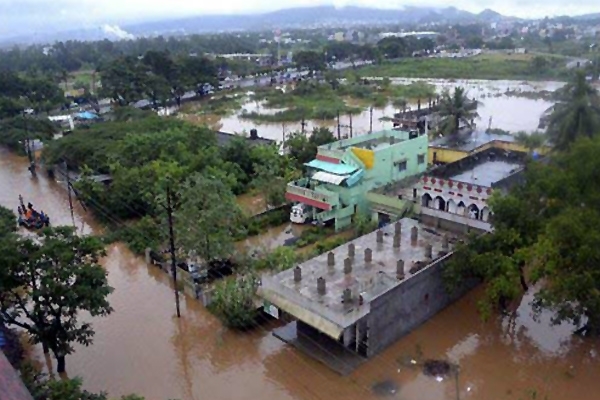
28, 147
371, 120
338, 126
172, 248
69, 189
350, 115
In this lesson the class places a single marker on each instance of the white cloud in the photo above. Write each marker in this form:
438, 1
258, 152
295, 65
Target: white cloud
22, 16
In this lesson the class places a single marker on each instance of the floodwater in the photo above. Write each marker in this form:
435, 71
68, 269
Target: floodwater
509, 113
143, 348
274, 237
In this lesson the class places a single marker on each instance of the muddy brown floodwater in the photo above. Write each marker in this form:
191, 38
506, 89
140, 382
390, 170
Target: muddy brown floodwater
143, 348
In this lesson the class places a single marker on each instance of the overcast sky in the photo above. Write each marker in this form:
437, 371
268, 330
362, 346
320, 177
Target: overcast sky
24, 16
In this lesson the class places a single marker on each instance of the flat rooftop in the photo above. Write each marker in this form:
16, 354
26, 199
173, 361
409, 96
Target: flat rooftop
372, 141
487, 173
469, 142
370, 279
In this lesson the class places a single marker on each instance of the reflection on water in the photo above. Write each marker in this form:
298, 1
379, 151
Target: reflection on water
142, 347
509, 113
281, 235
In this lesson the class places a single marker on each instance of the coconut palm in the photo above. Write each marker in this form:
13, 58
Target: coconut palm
456, 108
576, 114
401, 103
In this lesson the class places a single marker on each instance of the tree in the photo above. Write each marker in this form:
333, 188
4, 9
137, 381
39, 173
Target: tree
532, 140
45, 284
539, 64
304, 149
208, 217
577, 113
312, 60
271, 186
7, 222
456, 108
545, 232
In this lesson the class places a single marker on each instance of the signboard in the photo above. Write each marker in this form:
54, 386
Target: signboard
271, 309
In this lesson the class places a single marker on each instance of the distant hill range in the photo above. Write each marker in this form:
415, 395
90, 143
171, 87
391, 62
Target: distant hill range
290, 18
312, 17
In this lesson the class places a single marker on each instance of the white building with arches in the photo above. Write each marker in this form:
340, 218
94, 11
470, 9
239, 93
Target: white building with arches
458, 193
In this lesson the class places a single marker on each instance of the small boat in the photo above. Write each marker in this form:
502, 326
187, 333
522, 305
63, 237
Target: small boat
34, 223
30, 218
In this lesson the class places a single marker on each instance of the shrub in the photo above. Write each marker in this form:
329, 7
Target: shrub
233, 302
139, 235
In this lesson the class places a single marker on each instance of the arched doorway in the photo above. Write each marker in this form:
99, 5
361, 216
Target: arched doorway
473, 211
426, 200
439, 203
485, 214
451, 206
460, 208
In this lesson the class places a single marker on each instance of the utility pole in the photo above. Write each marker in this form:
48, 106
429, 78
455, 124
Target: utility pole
28, 147
69, 189
338, 126
350, 115
303, 123
172, 248
371, 120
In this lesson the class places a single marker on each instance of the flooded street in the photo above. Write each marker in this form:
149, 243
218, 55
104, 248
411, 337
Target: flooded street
509, 113
143, 348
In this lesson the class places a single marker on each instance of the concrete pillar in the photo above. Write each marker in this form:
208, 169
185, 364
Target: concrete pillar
321, 288
397, 240
351, 250
148, 260
297, 274
347, 265
347, 296
398, 228
392, 140
368, 255
330, 259
445, 245
400, 269
428, 251
414, 234
380, 236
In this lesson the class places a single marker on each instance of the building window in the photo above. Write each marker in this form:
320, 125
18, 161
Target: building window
402, 166
421, 158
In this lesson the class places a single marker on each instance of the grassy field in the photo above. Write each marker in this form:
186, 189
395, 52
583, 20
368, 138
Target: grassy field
487, 66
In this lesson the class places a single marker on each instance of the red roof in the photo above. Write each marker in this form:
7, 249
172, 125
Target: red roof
11, 386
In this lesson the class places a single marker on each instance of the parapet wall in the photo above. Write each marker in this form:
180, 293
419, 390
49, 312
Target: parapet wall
410, 304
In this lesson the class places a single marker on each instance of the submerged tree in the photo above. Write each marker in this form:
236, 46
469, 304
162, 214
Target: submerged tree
46, 284
457, 108
546, 231
577, 113
207, 218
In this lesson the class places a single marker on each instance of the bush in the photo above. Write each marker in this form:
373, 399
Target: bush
233, 302
7, 221
138, 235
280, 259
311, 235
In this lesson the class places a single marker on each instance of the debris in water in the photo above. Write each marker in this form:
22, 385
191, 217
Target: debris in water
437, 368
385, 388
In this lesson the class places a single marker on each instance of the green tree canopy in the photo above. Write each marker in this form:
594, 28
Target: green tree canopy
457, 108
577, 113
545, 231
46, 284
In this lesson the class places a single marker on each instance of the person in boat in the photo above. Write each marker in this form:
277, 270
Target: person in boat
20, 211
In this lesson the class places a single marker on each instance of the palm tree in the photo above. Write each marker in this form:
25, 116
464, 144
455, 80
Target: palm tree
456, 108
401, 103
577, 113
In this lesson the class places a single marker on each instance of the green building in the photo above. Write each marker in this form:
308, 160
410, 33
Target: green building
344, 172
